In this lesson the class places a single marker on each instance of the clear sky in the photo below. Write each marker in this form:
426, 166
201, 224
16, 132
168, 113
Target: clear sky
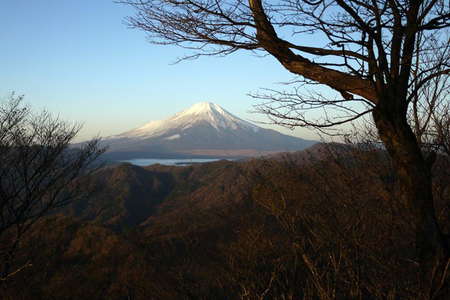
79, 60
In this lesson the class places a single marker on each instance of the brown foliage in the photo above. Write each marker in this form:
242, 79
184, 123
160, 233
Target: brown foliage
319, 224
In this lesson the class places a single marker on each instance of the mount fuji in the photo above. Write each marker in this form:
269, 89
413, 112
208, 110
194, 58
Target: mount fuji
203, 130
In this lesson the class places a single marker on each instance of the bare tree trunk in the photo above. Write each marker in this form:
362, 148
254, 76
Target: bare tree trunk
415, 183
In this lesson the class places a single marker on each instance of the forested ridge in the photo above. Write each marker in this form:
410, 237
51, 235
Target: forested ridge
316, 224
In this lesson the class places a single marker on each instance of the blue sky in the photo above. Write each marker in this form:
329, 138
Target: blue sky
78, 59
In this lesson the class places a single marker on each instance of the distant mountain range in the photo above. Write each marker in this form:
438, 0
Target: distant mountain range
203, 130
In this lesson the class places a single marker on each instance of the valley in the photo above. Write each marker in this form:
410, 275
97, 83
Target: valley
227, 230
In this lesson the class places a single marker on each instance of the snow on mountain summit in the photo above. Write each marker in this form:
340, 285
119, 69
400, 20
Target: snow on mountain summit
204, 129
206, 113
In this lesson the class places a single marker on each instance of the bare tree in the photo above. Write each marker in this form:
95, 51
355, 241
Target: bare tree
38, 171
364, 50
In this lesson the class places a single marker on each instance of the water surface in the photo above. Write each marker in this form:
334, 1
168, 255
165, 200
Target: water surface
169, 161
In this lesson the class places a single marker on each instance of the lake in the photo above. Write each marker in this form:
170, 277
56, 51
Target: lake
169, 161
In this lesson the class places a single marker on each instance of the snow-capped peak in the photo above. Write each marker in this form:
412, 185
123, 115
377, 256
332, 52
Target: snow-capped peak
202, 107
199, 113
